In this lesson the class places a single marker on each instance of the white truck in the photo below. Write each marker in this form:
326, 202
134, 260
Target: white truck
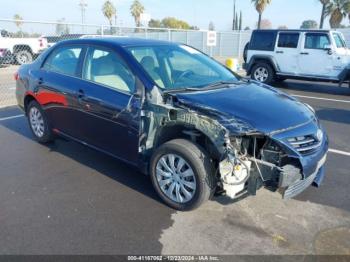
316, 55
20, 50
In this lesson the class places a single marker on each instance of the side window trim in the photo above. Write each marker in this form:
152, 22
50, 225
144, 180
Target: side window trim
287, 33
317, 34
107, 49
48, 57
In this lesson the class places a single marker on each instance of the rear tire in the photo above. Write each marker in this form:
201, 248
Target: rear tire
182, 186
263, 73
23, 57
38, 123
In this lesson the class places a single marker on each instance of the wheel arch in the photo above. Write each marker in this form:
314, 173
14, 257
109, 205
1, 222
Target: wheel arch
27, 99
18, 48
180, 131
262, 59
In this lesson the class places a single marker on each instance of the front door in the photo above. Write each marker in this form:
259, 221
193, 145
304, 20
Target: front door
110, 106
316, 59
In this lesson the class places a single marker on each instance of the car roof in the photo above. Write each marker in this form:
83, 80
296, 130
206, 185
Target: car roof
118, 41
294, 30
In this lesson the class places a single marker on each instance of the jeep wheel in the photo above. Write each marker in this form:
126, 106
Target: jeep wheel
182, 174
23, 57
263, 73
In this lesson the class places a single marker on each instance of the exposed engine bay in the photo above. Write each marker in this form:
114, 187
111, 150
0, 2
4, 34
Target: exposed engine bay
245, 159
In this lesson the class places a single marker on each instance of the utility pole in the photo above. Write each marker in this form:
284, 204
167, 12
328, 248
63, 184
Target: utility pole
82, 6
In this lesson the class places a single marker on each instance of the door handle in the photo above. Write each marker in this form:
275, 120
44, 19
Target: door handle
279, 52
80, 94
40, 81
304, 53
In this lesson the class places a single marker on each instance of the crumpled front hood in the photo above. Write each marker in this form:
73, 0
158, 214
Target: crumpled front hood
249, 108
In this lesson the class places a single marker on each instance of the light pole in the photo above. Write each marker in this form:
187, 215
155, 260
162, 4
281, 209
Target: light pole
83, 6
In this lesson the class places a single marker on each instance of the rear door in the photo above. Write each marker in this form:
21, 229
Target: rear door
57, 83
109, 104
287, 52
314, 59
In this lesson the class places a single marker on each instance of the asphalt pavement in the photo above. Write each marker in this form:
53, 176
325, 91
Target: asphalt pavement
64, 198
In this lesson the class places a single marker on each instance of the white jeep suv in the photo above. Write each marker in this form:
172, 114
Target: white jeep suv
276, 55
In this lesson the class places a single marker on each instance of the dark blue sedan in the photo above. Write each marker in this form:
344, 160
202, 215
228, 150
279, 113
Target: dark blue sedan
194, 126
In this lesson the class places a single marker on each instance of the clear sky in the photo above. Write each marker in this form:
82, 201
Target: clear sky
197, 12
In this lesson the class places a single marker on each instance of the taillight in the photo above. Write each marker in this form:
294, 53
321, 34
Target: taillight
16, 76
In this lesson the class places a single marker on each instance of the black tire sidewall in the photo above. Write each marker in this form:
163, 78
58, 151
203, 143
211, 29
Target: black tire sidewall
47, 137
199, 167
271, 73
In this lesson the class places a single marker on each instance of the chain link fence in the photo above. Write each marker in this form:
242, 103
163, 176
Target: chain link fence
22, 41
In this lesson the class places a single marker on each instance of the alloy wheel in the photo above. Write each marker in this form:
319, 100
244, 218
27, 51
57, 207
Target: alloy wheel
261, 74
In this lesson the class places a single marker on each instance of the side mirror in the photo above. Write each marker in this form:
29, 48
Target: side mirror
328, 48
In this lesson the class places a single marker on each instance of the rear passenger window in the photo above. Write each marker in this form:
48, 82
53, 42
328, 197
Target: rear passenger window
316, 41
64, 60
288, 40
107, 68
263, 41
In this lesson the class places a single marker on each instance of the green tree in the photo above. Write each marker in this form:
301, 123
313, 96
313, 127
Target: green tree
155, 23
171, 22
260, 6
323, 13
18, 21
240, 21
337, 10
309, 24
136, 10
109, 11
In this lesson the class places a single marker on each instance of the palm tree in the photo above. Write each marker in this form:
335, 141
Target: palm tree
18, 21
109, 11
324, 5
136, 10
337, 10
260, 6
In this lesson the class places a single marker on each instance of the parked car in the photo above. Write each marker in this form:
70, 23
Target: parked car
190, 123
276, 55
21, 50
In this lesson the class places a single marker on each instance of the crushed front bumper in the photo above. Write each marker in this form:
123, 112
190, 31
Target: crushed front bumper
316, 178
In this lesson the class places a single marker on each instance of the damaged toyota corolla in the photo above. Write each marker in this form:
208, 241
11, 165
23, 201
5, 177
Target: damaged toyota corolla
198, 129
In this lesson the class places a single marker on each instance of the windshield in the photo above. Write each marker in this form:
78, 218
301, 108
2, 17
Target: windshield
179, 67
339, 40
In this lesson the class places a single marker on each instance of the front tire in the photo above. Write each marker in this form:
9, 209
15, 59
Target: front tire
38, 123
182, 174
263, 73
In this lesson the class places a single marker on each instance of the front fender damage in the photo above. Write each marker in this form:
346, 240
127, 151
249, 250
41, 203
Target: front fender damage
246, 159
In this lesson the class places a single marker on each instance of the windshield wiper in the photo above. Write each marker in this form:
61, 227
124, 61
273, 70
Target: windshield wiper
176, 90
220, 83
212, 86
